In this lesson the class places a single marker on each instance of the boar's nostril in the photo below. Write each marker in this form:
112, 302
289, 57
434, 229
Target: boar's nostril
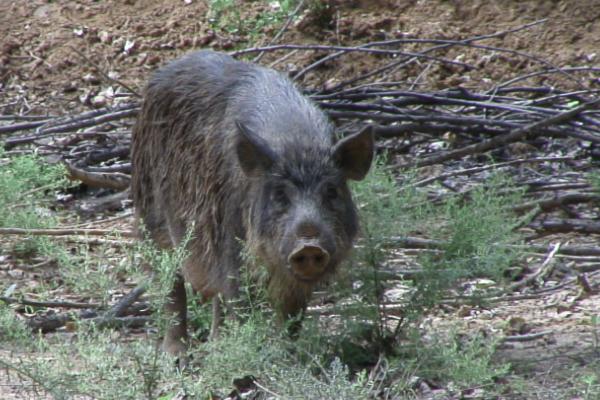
309, 261
299, 259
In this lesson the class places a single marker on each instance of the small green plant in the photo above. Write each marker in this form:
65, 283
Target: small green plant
589, 385
26, 181
594, 179
386, 214
225, 14
89, 272
12, 330
27, 184
461, 361
476, 233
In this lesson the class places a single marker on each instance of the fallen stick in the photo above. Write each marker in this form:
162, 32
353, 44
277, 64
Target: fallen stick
50, 323
411, 242
541, 272
557, 201
566, 225
119, 309
109, 180
50, 304
318, 47
525, 338
66, 232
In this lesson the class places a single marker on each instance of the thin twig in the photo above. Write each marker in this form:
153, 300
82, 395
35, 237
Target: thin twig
51, 304
66, 232
318, 47
527, 337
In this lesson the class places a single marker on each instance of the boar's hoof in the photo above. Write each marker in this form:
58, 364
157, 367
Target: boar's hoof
173, 346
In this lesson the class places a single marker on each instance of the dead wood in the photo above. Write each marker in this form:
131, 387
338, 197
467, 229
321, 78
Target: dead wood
110, 180
357, 49
526, 337
409, 242
543, 270
557, 201
512, 136
66, 232
50, 304
494, 166
112, 202
52, 322
120, 308
583, 226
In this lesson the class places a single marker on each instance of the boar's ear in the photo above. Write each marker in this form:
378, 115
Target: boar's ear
354, 153
253, 152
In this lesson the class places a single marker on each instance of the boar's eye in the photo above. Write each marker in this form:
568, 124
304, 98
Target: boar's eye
278, 195
331, 192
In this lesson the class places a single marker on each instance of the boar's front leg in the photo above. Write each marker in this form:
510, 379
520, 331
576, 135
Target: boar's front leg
175, 340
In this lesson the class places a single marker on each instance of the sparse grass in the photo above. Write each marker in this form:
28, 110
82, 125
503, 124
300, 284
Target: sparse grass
12, 329
587, 382
100, 364
333, 355
459, 361
476, 232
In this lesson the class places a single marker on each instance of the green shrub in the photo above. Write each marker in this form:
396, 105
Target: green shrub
26, 182
12, 329
224, 14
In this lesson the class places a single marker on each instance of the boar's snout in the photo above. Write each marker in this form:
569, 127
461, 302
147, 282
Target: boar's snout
313, 249
309, 260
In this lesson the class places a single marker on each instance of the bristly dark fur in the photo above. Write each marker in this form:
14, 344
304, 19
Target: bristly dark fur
185, 171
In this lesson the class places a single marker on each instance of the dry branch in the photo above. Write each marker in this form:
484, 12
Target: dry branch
512, 136
120, 308
66, 232
113, 180
52, 304
409, 242
549, 226
557, 201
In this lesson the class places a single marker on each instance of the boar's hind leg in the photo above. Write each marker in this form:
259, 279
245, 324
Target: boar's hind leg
175, 340
217, 317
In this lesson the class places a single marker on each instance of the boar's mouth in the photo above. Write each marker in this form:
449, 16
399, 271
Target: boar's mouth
308, 279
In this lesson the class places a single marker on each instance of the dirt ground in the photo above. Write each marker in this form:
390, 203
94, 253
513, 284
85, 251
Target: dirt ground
51, 52
63, 56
